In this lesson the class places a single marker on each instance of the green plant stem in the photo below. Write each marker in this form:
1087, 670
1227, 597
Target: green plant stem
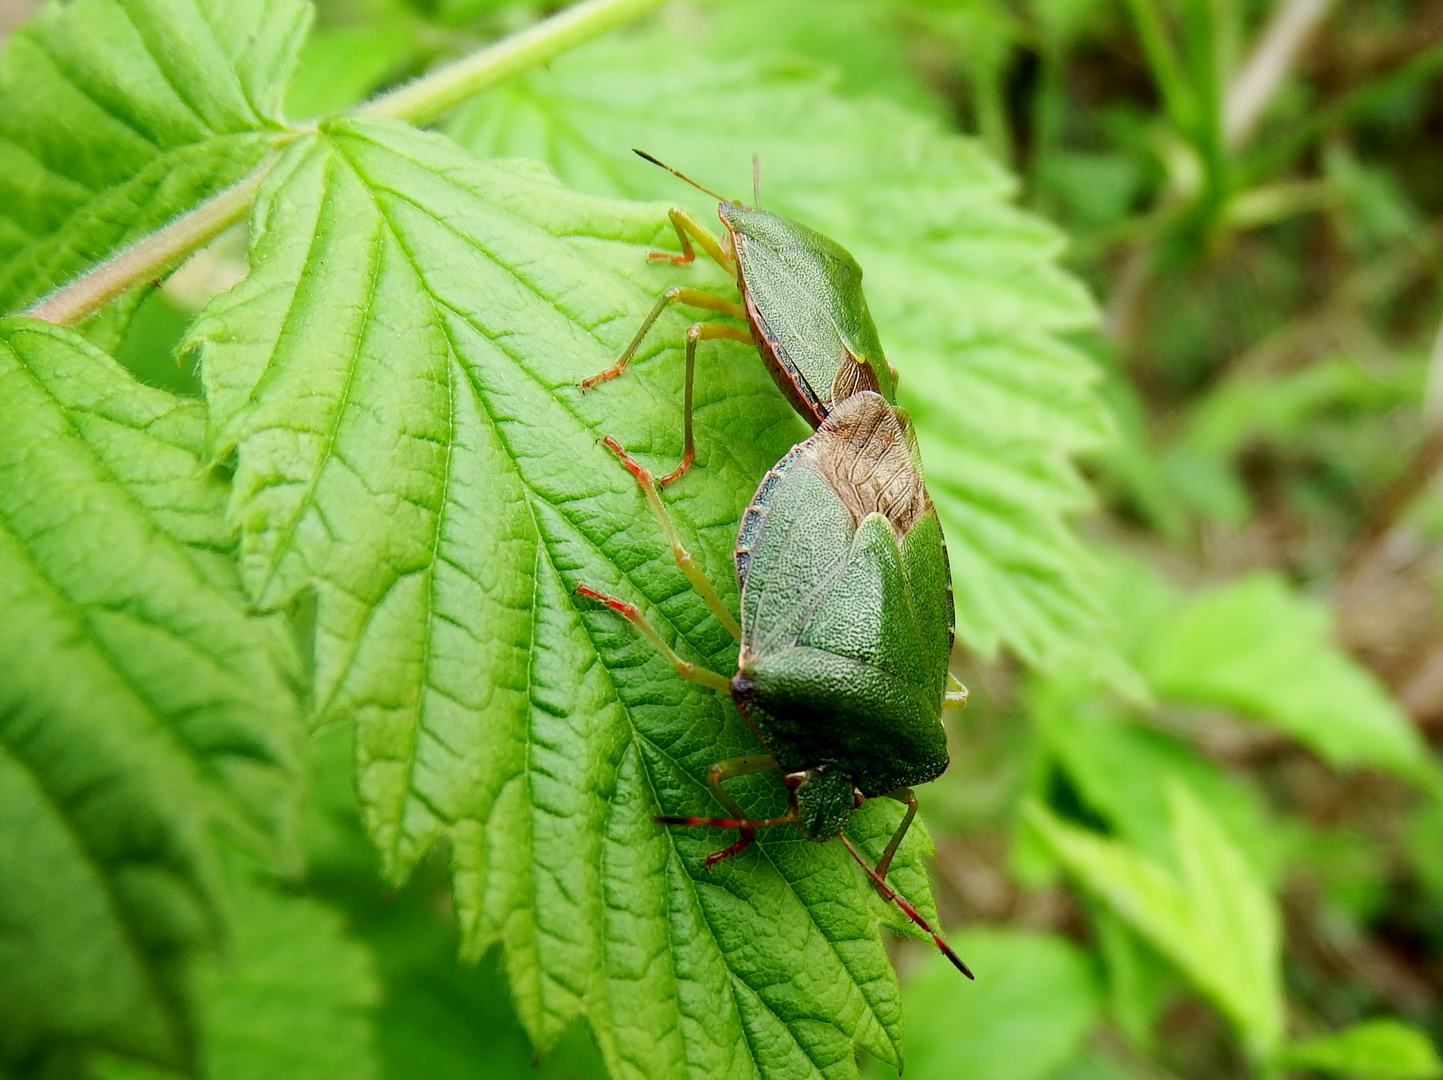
418, 102
157, 254
446, 87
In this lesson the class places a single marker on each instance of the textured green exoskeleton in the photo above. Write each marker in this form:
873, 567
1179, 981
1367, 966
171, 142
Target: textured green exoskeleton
801, 299
845, 631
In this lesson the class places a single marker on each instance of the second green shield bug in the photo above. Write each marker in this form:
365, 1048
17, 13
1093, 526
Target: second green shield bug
802, 302
845, 630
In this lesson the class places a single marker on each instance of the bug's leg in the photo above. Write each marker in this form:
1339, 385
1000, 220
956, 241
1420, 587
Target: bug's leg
889, 893
674, 295
715, 775
684, 558
956, 694
687, 670
699, 332
688, 228
905, 796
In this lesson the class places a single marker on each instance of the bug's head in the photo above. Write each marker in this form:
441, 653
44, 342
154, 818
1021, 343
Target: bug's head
825, 801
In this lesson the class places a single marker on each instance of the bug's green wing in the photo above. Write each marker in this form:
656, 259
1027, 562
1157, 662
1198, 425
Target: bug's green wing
845, 626
804, 292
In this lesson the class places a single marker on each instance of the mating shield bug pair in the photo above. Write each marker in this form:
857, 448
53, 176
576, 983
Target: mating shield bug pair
846, 618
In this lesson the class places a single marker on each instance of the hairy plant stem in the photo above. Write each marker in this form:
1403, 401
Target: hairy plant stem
157, 254
417, 102
446, 87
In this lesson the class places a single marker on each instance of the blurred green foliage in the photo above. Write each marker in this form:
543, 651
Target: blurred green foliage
1192, 827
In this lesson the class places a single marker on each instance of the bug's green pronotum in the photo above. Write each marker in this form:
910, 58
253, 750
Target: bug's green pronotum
802, 302
846, 625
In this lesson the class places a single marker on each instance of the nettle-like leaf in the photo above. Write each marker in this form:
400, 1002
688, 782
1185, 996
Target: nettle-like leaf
397, 382
1207, 912
964, 287
116, 115
1255, 646
139, 702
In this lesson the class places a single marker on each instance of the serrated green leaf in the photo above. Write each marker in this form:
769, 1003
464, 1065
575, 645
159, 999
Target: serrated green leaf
291, 996
116, 115
139, 702
1255, 646
397, 380
964, 287
1210, 916
1381, 1049
1035, 1000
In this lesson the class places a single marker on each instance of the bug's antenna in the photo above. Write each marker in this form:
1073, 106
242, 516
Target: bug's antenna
678, 175
889, 893
756, 182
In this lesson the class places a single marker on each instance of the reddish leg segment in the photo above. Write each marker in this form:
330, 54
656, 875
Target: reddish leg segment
889, 893
685, 668
715, 775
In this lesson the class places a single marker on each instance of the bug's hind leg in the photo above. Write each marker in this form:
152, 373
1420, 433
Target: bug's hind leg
715, 775
891, 894
684, 559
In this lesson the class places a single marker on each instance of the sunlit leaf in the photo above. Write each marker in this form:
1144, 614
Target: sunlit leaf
397, 381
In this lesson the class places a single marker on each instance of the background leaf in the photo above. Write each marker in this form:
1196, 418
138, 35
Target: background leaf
1210, 916
963, 286
1258, 648
1381, 1049
139, 702
1040, 1003
291, 996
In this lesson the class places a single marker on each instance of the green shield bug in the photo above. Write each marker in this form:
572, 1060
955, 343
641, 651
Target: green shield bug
845, 630
802, 302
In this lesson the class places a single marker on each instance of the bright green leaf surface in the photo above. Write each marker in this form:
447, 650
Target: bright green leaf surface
1373, 1050
964, 287
397, 379
139, 702
1039, 1002
116, 115
291, 997
1211, 916
1257, 647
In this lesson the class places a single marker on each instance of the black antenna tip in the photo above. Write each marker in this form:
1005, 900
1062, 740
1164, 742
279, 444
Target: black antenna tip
648, 157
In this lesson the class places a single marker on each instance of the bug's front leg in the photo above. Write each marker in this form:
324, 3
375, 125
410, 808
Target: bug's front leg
955, 696
716, 774
688, 228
